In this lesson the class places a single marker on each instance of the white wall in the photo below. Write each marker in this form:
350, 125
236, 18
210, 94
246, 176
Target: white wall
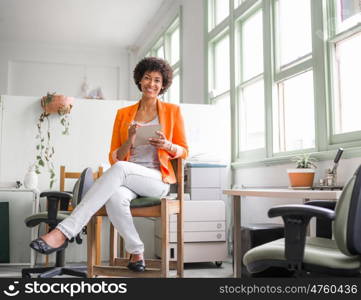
32, 70
193, 46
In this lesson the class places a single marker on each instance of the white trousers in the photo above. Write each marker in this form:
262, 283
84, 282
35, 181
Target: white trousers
115, 189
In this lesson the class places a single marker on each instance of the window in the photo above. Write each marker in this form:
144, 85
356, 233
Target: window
250, 89
160, 52
251, 115
345, 49
348, 13
252, 46
174, 46
220, 55
174, 91
293, 102
237, 3
347, 106
294, 113
293, 30
168, 47
291, 70
218, 11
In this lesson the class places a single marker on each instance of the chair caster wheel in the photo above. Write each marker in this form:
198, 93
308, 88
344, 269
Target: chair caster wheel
26, 275
218, 263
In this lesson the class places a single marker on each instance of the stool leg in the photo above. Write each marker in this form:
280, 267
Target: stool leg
165, 238
113, 247
91, 246
98, 231
180, 246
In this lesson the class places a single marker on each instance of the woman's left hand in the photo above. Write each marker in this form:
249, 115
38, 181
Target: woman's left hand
161, 142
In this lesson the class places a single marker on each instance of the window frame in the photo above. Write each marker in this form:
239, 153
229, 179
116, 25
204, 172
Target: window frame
320, 60
211, 62
347, 139
163, 39
241, 84
211, 15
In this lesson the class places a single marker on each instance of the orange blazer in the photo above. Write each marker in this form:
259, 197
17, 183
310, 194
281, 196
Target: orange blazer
171, 120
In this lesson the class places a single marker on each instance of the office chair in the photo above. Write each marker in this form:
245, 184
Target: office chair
73, 175
144, 207
301, 254
323, 226
58, 203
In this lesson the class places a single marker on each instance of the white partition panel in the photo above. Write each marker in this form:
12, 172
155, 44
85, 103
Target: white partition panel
88, 143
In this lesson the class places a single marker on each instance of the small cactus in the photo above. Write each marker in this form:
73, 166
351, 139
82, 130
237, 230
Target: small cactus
304, 161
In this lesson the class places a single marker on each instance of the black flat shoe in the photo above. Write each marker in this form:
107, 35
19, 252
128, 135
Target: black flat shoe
137, 266
42, 247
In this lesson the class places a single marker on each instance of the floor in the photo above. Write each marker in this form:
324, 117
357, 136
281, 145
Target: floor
191, 270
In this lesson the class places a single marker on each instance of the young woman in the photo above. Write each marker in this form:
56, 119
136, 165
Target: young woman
143, 170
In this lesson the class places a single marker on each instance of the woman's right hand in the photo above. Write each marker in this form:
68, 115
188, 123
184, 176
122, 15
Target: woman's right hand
132, 132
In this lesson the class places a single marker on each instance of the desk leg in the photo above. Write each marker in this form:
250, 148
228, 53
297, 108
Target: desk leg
237, 236
308, 230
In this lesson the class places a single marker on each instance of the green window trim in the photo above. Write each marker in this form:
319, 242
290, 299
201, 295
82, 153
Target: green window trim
319, 61
351, 152
211, 63
162, 39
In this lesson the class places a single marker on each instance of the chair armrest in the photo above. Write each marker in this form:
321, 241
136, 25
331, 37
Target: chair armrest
330, 204
55, 195
296, 210
53, 198
323, 226
296, 219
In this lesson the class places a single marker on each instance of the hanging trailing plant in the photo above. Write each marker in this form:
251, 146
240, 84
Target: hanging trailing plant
51, 104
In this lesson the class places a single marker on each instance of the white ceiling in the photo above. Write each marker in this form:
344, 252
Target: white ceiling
99, 23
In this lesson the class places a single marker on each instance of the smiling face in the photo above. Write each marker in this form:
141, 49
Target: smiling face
151, 84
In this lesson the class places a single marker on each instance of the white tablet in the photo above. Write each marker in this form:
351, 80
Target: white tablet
146, 132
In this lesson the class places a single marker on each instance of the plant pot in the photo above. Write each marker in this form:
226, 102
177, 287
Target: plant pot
301, 177
31, 180
58, 104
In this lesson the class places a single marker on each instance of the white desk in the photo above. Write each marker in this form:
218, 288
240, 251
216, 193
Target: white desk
270, 193
35, 209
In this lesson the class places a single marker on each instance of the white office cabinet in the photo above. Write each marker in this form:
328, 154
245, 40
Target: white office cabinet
204, 232
205, 193
22, 204
205, 181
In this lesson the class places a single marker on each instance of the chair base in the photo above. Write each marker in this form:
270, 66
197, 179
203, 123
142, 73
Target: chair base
268, 268
48, 272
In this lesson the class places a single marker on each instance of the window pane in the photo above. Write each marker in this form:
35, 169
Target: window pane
221, 10
160, 52
174, 46
348, 13
221, 65
237, 3
294, 29
347, 107
252, 60
174, 90
294, 114
251, 117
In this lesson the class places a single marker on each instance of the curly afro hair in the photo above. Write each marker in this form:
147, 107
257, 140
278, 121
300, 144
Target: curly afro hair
151, 64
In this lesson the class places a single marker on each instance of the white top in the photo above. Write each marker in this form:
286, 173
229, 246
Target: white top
286, 193
146, 155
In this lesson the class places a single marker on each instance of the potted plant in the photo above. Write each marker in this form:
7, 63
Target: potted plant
303, 175
51, 104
